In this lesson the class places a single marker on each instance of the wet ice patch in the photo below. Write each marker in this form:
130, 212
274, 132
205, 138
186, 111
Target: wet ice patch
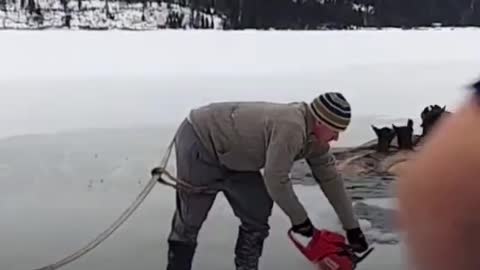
379, 237
375, 221
375, 235
378, 221
387, 203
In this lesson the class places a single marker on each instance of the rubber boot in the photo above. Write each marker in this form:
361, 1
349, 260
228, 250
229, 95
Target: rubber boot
248, 249
180, 255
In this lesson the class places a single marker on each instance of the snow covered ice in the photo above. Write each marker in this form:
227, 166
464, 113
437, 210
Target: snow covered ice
68, 181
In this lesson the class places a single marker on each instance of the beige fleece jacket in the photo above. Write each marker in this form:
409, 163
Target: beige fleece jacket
250, 136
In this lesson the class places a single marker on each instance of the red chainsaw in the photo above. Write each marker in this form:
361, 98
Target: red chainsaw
329, 251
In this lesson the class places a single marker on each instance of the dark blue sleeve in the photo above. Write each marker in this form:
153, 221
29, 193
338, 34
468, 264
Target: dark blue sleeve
476, 87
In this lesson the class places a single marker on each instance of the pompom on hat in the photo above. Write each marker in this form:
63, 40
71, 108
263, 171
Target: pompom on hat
333, 110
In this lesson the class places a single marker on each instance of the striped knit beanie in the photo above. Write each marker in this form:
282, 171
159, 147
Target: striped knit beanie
332, 110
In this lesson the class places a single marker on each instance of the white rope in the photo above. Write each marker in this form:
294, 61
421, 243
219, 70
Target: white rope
125, 215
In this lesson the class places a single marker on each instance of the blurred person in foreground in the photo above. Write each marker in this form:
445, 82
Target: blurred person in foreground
439, 194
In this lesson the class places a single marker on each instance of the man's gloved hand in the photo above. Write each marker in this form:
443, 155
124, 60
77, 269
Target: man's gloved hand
306, 228
357, 240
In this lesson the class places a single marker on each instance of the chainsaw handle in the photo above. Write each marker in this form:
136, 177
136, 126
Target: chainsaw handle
297, 243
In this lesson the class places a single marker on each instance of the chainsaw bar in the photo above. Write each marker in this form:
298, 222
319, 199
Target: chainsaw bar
358, 259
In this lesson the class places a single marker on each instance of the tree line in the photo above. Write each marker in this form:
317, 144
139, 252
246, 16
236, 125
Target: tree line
324, 14
315, 14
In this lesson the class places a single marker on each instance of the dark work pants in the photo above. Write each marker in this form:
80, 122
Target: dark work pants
245, 192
